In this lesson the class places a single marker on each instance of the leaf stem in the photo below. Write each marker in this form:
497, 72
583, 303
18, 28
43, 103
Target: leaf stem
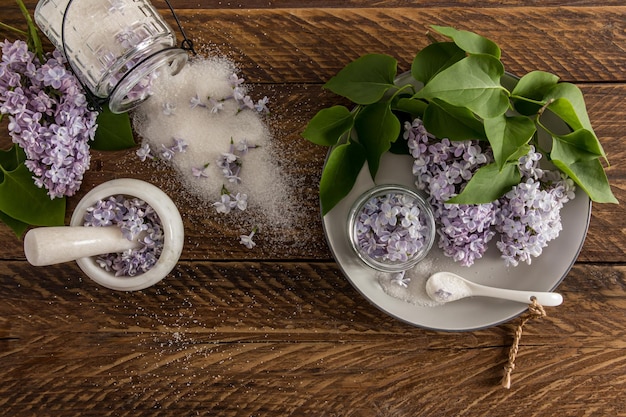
13, 29
33, 35
529, 100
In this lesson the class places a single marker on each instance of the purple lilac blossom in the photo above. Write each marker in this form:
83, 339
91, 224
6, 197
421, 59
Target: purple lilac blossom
391, 228
247, 241
442, 168
530, 214
48, 117
526, 218
137, 220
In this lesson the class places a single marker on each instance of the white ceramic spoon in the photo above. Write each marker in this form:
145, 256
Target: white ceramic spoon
445, 287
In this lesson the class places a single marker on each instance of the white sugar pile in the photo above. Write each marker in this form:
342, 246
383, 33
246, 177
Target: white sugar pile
415, 280
170, 114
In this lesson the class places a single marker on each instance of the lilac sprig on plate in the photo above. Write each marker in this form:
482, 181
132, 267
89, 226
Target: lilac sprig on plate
137, 221
526, 218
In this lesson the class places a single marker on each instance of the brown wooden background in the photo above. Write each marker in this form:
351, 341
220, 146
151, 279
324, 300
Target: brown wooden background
278, 331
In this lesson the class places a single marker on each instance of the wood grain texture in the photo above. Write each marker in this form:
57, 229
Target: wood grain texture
291, 339
307, 4
583, 44
278, 331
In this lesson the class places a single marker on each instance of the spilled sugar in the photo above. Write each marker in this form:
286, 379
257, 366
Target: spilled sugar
415, 291
270, 192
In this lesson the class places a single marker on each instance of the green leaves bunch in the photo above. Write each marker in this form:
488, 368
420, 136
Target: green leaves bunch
22, 203
456, 88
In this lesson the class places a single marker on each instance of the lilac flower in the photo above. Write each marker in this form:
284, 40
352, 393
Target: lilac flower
144, 152
216, 106
247, 241
380, 230
136, 220
526, 218
235, 81
169, 109
239, 93
240, 201
180, 145
48, 117
400, 279
242, 146
261, 105
196, 102
223, 205
530, 214
200, 172
166, 153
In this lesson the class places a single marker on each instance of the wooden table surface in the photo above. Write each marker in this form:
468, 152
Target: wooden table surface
278, 330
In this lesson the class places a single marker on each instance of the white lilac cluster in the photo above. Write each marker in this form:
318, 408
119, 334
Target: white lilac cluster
137, 221
526, 218
391, 228
48, 117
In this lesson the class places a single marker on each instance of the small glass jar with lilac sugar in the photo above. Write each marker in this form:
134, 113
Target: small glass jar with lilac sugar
391, 228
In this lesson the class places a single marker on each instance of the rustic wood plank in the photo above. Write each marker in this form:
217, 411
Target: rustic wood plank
302, 4
254, 301
291, 339
577, 43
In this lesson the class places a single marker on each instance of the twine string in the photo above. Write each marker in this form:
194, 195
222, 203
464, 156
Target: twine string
535, 311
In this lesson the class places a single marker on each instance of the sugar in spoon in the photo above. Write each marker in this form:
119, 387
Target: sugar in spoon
445, 287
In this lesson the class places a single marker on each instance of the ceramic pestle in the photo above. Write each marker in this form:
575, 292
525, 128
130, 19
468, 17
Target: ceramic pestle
54, 245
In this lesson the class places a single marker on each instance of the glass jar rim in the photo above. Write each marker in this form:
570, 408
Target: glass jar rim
384, 189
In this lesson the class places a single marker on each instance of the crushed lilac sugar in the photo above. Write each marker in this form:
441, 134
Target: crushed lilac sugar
391, 228
48, 117
134, 217
526, 218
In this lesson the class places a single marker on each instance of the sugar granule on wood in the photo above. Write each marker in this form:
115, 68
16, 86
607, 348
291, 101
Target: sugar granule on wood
197, 107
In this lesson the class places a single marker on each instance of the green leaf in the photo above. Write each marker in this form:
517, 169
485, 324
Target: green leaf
435, 58
507, 134
340, 173
583, 167
470, 42
582, 140
411, 106
532, 87
377, 127
328, 125
534, 84
10, 159
114, 132
569, 105
473, 82
488, 184
455, 123
366, 79
33, 206
17, 226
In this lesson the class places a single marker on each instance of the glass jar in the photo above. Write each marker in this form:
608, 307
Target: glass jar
391, 228
115, 47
